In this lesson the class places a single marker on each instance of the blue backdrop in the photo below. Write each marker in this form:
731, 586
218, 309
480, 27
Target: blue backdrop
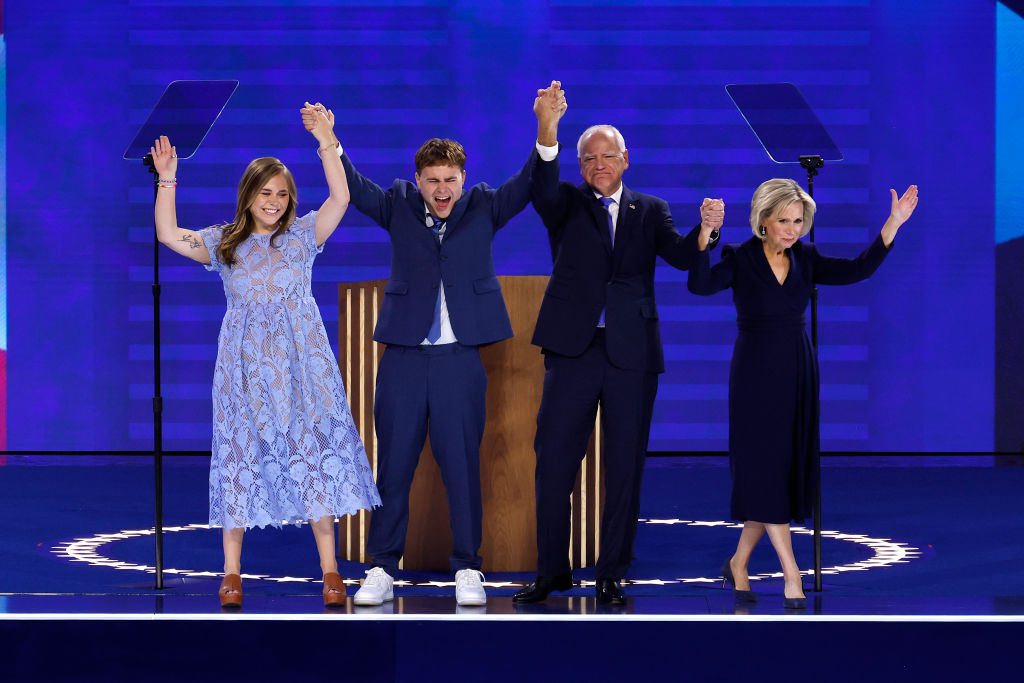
906, 88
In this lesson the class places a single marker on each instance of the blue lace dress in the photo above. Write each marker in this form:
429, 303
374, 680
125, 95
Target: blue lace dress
285, 448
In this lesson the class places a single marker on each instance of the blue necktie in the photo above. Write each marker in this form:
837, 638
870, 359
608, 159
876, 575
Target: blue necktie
435, 326
607, 201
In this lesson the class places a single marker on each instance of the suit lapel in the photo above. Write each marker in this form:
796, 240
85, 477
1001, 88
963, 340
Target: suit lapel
419, 208
600, 215
454, 219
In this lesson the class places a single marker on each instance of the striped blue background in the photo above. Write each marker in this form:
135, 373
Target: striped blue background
904, 89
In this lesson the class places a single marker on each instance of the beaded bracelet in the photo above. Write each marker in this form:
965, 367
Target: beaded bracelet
168, 185
172, 180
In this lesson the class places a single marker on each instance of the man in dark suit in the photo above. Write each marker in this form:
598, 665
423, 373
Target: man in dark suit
598, 327
441, 303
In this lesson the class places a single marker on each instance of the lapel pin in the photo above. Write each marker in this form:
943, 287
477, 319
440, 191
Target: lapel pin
632, 206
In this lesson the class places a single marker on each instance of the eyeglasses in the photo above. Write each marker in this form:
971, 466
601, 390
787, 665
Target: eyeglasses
591, 159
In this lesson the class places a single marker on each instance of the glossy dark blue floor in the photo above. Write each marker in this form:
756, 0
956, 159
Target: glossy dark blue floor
924, 544
954, 525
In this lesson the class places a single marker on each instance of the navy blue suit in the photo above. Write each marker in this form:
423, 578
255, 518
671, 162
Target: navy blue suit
437, 388
616, 366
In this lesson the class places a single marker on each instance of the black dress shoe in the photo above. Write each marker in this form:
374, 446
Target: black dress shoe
609, 592
542, 587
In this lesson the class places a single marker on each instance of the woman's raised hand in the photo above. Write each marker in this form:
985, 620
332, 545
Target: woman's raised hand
901, 209
903, 206
319, 120
165, 158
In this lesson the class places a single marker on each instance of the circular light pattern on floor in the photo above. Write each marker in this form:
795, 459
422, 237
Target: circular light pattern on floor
886, 553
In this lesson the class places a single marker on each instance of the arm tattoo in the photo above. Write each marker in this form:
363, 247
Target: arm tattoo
191, 240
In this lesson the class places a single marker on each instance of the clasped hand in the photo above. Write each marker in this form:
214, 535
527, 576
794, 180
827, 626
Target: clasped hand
319, 120
712, 214
550, 104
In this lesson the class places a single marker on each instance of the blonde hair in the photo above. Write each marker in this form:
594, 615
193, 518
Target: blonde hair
256, 176
772, 195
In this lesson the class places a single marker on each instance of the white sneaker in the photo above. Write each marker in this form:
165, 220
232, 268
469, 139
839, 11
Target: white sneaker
469, 587
377, 588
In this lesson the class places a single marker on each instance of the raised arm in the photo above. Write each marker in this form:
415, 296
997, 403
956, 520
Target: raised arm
681, 251
705, 280
712, 215
185, 242
364, 194
549, 106
319, 121
514, 194
900, 211
842, 271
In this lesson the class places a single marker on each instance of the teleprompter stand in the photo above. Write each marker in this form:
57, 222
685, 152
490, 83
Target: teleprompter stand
791, 133
184, 113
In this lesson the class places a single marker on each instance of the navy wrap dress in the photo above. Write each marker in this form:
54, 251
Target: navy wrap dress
773, 378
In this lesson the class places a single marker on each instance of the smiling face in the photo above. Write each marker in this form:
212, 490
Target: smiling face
602, 161
784, 227
270, 204
441, 187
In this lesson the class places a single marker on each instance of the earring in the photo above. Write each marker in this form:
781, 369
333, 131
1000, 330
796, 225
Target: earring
761, 231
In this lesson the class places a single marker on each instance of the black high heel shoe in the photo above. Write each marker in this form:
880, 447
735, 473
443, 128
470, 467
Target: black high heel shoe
794, 603
741, 596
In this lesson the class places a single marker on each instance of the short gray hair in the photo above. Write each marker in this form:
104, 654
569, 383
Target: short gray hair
774, 194
593, 129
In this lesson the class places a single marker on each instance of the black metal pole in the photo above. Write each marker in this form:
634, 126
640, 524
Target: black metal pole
812, 163
158, 437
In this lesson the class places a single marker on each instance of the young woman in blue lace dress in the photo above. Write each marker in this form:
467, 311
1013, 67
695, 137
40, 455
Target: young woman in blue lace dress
285, 448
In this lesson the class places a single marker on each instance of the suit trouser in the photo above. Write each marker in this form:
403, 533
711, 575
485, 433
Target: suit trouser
441, 389
573, 388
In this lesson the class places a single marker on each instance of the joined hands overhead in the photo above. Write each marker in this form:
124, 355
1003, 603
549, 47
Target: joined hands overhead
319, 120
549, 106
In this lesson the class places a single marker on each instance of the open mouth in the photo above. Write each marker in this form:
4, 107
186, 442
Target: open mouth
443, 202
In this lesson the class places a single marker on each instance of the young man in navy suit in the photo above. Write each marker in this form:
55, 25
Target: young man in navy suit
441, 303
598, 327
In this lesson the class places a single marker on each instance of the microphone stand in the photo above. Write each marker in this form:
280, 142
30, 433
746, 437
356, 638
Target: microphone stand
812, 162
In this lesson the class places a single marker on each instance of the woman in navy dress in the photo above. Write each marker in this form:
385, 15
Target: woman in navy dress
773, 379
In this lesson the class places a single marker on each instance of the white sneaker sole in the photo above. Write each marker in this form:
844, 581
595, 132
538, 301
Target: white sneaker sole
371, 602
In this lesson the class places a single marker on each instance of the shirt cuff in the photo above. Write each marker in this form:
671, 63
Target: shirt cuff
547, 153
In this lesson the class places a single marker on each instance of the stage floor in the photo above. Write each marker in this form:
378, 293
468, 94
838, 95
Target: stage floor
903, 537
922, 562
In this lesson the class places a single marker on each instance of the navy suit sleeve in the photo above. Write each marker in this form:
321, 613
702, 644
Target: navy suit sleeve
514, 194
829, 270
548, 195
705, 280
677, 250
367, 196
